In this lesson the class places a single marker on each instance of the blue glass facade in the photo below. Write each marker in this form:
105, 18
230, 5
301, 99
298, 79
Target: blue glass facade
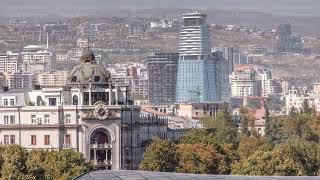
196, 81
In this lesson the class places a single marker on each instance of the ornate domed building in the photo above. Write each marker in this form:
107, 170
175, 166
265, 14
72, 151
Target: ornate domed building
90, 115
88, 72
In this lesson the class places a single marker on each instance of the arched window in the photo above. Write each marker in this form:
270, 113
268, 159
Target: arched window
39, 101
75, 100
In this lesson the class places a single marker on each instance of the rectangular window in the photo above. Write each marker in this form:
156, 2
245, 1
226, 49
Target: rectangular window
39, 121
5, 119
68, 118
11, 102
5, 102
33, 140
52, 101
33, 119
12, 139
12, 119
46, 119
6, 139
67, 140
46, 139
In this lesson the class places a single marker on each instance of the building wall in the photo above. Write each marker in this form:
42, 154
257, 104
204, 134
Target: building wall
196, 73
162, 72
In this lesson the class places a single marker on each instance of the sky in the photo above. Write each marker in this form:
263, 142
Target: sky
68, 7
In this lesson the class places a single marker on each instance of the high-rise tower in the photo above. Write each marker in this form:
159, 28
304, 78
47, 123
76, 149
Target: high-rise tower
197, 75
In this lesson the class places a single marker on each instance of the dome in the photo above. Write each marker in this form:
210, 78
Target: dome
88, 71
87, 55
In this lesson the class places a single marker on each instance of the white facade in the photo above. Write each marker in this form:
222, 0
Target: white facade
9, 62
295, 99
57, 78
89, 115
267, 83
243, 82
19, 80
33, 54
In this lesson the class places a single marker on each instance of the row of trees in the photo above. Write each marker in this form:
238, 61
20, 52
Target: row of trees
18, 163
290, 147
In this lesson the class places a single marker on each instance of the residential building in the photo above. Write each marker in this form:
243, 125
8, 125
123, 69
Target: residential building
9, 62
19, 80
162, 72
243, 81
36, 55
198, 110
53, 78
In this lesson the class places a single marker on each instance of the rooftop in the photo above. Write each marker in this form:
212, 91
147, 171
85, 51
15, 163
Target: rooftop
145, 175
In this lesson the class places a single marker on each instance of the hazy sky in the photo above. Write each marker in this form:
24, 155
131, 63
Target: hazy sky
279, 7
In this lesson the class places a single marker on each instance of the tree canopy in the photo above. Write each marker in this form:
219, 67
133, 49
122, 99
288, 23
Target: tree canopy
289, 147
18, 163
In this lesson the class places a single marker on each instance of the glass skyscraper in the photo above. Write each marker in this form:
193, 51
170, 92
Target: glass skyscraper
197, 70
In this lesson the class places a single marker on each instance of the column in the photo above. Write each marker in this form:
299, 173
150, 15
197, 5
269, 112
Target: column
116, 96
94, 155
110, 96
90, 92
106, 155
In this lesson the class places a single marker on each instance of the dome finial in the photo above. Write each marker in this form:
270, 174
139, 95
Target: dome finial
87, 55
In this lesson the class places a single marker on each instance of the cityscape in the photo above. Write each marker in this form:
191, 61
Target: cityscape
142, 95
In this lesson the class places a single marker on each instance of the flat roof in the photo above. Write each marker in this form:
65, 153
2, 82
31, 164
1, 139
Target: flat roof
145, 175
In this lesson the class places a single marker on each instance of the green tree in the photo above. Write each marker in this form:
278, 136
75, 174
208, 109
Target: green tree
226, 129
247, 122
306, 109
267, 163
200, 136
294, 157
199, 159
14, 163
161, 155
51, 165
248, 145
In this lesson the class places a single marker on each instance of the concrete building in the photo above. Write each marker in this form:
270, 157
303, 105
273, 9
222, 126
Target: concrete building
162, 72
295, 99
268, 86
284, 41
89, 115
243, 81
197, 71
19, 80
198, 110
9, 62
224, 58
36, 55
52, 79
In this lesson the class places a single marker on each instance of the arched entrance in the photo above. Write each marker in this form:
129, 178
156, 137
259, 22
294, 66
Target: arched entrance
101, 149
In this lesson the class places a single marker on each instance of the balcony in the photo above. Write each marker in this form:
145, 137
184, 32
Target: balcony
101, 162
100, 146
66, 146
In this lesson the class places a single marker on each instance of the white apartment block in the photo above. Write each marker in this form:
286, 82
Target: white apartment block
33, 54
9, 62
248, 81
19, 80
243, 81
296, 98
266, 81
52, 79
